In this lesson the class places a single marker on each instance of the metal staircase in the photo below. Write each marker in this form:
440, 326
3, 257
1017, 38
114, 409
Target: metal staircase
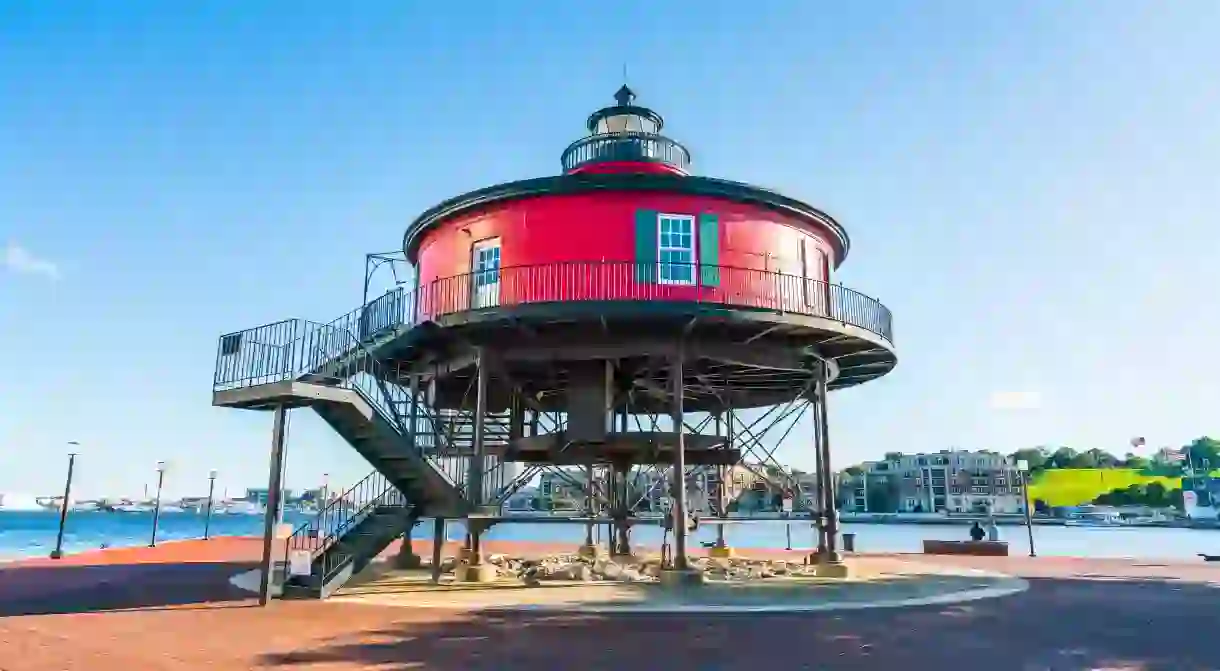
421, 455
348, 533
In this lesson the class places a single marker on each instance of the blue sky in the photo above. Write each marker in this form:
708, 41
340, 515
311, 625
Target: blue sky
1031, 187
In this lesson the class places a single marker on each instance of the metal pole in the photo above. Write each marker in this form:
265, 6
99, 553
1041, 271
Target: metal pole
819, 500
368, 260
152, 543
274, 491
722, 494
788, 533
58, 552
679, 478
828, 490
475, 492
1029, 520
589, 505
438, 547
207, 521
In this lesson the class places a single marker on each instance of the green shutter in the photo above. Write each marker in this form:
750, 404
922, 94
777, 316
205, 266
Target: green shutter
646, 246
709, 250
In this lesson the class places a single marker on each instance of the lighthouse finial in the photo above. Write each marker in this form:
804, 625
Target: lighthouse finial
624, 96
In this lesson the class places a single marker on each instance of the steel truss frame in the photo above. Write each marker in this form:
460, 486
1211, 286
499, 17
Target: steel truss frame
612, 491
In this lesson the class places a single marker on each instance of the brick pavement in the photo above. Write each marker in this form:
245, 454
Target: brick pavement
1078, 614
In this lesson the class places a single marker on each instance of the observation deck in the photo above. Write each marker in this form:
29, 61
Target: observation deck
750, 338
625, 148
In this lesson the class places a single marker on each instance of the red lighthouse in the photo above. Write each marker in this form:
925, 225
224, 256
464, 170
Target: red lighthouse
623, 317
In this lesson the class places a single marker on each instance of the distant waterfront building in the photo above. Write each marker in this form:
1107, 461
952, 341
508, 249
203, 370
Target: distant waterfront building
952, 481
1201, 497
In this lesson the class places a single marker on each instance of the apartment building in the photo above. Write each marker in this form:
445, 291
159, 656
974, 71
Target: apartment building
952, 481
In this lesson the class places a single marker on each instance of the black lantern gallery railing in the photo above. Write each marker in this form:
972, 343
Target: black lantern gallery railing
629, 146
289, 349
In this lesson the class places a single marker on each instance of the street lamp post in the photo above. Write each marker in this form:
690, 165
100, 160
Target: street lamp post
152, 543
207, 521
63, 507
1023, 468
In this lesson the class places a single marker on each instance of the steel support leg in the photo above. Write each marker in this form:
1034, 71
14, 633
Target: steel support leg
819, 502
275, 489
827, 478
679, 476
478, 460
438, 547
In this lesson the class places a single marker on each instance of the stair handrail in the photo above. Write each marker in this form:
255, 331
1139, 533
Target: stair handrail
387, 409
316, 536
331, 564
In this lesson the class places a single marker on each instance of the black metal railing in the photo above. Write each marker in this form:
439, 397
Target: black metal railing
339, 516
727, 286
627, 146
295, 347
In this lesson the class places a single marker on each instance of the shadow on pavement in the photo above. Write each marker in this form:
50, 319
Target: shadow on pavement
1059, 625
50, 589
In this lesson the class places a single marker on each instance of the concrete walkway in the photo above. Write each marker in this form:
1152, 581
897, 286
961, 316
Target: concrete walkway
1076, 615
879, 583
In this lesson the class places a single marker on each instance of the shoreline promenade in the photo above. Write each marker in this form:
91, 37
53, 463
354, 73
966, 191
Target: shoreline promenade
173, 607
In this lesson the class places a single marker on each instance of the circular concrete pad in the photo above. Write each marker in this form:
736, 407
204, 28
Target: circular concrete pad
886, 583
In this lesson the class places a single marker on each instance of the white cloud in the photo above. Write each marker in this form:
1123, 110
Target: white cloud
1015, 400
18, 259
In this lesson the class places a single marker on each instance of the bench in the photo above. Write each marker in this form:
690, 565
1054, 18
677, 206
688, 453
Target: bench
973, 548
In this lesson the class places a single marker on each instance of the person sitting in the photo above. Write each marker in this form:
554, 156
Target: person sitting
976, 532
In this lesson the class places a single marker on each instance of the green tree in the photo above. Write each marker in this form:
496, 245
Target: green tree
1061, 458
1132, 460
1036, 456
882, 498
1175, 499
1204, 453
893, 456
1153, 495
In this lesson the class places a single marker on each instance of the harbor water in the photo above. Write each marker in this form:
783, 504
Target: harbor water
32, 534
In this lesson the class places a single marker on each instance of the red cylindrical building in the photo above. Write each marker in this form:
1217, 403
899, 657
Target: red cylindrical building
627, 225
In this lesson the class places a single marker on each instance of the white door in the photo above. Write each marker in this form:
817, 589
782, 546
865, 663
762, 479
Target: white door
814, 272
485, 266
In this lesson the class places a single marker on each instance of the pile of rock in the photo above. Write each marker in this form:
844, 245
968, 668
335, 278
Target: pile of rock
575, 568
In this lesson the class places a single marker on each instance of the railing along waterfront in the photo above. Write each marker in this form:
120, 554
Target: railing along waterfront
628, 146
295, 347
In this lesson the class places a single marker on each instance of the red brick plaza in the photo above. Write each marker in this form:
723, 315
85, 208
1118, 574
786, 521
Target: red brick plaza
173, 608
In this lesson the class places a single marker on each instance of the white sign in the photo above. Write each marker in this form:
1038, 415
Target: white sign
299, 562
787, 504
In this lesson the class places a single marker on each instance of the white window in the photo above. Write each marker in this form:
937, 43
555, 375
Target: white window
676, 248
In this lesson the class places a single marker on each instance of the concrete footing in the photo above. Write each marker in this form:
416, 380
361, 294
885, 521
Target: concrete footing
681, 578
832, 570
591, 551
407, 560
477, 573
721, 552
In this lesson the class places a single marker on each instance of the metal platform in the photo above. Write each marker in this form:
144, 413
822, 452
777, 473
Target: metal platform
635, 448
